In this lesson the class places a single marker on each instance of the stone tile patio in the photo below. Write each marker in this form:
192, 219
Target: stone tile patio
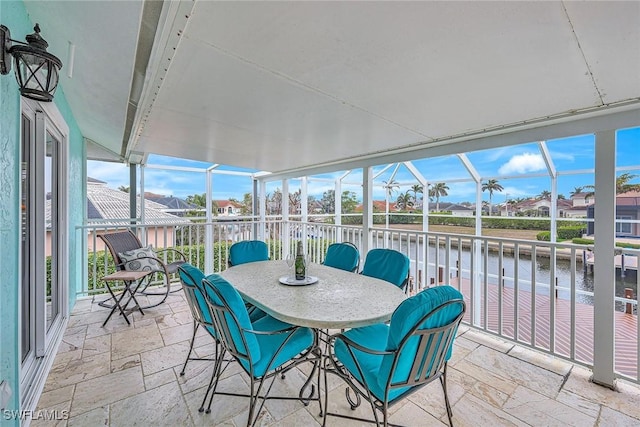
124, 375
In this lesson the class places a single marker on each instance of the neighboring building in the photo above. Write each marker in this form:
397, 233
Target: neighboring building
454, 208
175, 205
576, 207
227, 208
379, 206
108, 206
628, 209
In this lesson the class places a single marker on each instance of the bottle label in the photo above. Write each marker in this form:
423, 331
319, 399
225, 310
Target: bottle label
300, 267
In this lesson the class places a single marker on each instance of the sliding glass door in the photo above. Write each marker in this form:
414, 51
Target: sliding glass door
43, 218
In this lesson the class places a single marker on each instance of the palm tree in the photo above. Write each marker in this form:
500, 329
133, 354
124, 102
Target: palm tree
491, 186
576, 190
544, 194
404, 201
622, 185
390, 187
437, 190
416, 188
197, 199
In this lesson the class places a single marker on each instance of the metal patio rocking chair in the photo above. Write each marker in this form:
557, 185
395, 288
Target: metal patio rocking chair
128, 253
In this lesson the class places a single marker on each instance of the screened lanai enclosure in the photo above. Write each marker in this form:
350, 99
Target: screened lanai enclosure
537, 293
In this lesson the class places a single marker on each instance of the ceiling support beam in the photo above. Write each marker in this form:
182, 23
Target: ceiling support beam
151, 12
613, 117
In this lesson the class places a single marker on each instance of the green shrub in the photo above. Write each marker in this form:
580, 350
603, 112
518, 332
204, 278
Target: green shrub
571, 232
581, 241
544, 236
460, 221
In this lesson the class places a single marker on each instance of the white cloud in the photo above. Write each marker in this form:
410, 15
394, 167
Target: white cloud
522, 163
114, 174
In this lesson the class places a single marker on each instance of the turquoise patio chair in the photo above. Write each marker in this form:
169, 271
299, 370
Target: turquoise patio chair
248, 251
389, 265
191, 279
384, 363
344, 256
264, 348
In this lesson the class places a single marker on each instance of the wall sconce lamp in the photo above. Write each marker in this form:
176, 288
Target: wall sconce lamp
36, 69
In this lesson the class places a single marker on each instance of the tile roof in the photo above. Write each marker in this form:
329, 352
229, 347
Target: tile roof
108, 203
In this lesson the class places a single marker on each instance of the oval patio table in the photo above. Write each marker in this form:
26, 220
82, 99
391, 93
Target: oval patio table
338, 300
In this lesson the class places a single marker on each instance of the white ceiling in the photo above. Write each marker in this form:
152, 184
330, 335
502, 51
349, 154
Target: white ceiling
105, 36
279, 86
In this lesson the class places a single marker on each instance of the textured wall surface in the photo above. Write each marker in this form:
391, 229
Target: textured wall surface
14, 15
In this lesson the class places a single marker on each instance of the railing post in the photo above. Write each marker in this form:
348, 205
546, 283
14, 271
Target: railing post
628, 294
604, 268
367, 211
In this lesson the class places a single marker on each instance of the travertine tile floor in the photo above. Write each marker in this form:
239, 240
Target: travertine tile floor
124, 375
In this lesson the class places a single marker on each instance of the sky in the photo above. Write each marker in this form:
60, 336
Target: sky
520, 169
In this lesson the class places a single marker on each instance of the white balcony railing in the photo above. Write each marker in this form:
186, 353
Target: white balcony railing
537, 294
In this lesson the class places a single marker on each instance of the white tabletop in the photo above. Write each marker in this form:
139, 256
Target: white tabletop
339, 299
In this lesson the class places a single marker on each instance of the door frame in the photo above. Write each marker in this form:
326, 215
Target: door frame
34, 369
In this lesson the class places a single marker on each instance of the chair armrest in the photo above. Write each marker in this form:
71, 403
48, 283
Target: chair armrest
278, 332
351, 343
160, 251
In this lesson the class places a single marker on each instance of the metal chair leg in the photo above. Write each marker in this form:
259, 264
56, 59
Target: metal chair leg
213, 384
196, 325
443, 382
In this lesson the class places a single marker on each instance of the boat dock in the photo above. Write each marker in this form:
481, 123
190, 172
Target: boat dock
534, 326
622, 262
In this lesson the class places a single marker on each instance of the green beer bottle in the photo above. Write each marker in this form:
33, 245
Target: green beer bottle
301, 271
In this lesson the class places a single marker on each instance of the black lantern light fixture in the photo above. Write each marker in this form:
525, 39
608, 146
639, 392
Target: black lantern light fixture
36, 69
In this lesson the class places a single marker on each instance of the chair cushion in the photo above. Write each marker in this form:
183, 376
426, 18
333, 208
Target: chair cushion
406, 316
377, 369
236, 305
373, 337
387, 264
342, 256
412, 309
301, 340
140, 259
248, 251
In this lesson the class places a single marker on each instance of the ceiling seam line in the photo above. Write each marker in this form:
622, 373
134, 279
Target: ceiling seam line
149, 21
311, 88
584, 57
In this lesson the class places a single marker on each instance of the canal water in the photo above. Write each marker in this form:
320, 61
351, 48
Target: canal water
542, 266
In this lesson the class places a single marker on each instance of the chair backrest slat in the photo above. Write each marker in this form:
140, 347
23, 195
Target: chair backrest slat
432, 348
222, 317
420, 361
